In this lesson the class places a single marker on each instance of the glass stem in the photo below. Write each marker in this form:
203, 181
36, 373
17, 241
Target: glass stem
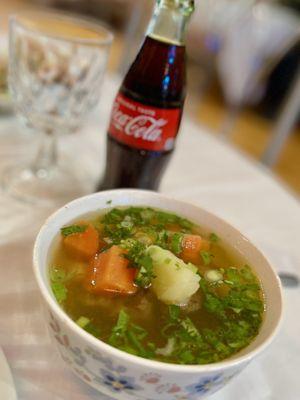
46, 157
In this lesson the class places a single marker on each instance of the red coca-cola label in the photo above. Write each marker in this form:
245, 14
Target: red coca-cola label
144, 127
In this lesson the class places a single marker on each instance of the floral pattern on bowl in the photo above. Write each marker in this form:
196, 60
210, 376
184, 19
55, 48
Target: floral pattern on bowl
116, 380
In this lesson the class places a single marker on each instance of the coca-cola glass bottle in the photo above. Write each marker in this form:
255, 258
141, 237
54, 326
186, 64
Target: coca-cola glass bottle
147, 111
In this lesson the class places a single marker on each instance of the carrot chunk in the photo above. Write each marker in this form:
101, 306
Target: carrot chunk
83, 244
191, 247
109, 272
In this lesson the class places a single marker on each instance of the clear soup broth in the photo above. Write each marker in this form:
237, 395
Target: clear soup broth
156, 285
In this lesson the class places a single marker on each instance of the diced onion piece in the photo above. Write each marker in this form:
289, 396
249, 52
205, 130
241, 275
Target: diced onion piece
168, 349
213, 275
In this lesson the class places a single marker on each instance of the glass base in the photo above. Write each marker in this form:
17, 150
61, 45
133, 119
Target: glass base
42, 187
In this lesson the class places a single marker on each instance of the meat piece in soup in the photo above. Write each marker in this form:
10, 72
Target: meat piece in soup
153, 284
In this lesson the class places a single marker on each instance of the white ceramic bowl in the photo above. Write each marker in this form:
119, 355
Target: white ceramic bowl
124, 376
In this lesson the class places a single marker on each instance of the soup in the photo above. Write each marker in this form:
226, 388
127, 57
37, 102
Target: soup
156, 285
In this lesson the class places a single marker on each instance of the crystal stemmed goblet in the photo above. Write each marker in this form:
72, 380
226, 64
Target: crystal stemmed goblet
56, 68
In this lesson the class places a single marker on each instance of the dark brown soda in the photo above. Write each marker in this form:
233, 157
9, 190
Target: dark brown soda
156, 78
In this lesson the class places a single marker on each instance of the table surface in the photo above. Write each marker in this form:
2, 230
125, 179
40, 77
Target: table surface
204, 171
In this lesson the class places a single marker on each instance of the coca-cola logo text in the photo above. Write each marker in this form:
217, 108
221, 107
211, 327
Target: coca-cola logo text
141, 126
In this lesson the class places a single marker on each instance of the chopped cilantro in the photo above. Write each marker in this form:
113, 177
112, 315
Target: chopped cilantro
162, 239
169, 218
70, 230
239, 313
232, 275
122, 323
176, 243
147, 214
129, 337
86, 324
58, 278
247, 273
136, 253
92, 330
185, 223
230, 297
174, 312
206, 257
214, 238
190, 328
145, 274
147, 225
60, 291
57, 275
109, 202
83, 322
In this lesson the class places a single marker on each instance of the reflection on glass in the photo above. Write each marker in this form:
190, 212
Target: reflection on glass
56, 71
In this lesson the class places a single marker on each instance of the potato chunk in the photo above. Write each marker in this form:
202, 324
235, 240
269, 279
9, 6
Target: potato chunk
175, 281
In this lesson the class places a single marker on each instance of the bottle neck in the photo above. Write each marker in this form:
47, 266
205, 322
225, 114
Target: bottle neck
168, 24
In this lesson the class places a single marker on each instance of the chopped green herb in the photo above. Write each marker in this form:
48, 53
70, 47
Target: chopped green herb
206, 257
233, 275
145, 274
58, 278
86, 324
145, 224
70, 230
147, 214
122, 323
140, 260
176, 243
187, 357
60, 291
230, 298
191, 345
129, 337
247, 273
162, 239
189, 327
174, 312
92, 330
214, 238
57, 275
83, 322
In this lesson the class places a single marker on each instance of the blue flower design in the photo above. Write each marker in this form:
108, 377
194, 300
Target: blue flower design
205, 385
119, 383
78, 357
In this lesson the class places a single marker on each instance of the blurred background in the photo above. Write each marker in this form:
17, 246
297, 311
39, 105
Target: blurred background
244, 68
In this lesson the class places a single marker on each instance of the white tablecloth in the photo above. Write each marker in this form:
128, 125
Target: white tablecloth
204, 171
